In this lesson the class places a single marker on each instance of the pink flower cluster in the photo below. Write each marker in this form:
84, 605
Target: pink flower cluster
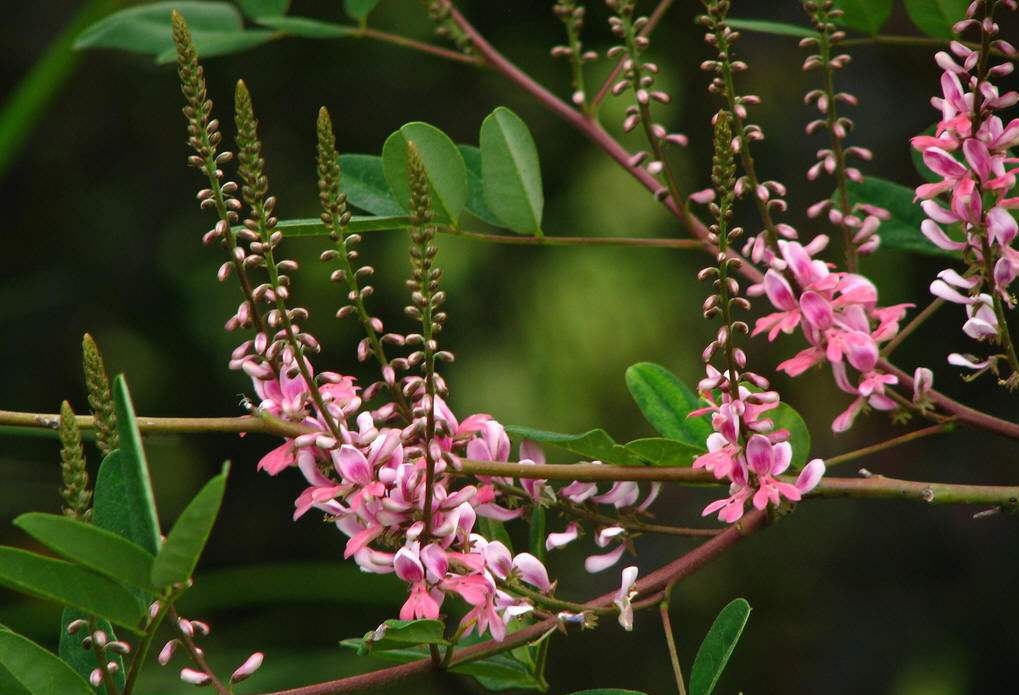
969, 150
372, 484
838, 314
747, 449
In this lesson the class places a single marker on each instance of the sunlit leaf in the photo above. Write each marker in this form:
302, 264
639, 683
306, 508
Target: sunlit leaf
444, 166
765, 26
363, 179
184, 544
36, 671
90, 546
511, 172
936, 17
400, 634
717, 647
135, 499
667, 402
146, 28
313, 227
476, 204
257, 9
659, 451
69, 585
307, 28
867, 16
359, 9
594, 445
786, 417
227, 43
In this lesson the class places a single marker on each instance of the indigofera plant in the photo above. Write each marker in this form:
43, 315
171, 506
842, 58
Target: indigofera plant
431, 496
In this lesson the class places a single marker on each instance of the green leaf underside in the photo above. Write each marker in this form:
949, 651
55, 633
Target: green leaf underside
307, 28
902, 231
595, 445
659, 451
867, 16
499, 672
359, 9
608, 691
496, 531
936, 17
313, 227
184, 544
138, 500
97, 549
227, 43
717, 647
146, 28
765, 26
511, 172
70, 585
476, 204
666, 403
34, 670
400, 634
363, 179
536, 532
257, 9
443, 164
83, 661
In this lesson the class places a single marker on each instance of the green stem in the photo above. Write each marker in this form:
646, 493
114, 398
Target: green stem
405, 42
140, 654
946, 426
111, 687
910, 327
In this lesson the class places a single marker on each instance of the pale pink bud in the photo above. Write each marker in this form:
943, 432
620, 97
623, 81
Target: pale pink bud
193, 677
250, 665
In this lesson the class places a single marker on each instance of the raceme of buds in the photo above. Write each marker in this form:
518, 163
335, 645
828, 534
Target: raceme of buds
100, 399
969, 153
76, 493
571, 14
859, 222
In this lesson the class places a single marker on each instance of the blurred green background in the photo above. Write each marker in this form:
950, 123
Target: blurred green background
101, 234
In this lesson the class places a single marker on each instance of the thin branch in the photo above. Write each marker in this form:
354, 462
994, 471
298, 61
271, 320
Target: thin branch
915, 323
670, 641
403, 41
675, 571
923, 41
646, 242
166, 425
946, 426
963, 413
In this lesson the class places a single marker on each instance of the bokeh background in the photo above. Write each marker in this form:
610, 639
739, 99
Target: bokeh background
101, 234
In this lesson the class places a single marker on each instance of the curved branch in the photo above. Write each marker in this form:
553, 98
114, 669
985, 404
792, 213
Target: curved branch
676, 570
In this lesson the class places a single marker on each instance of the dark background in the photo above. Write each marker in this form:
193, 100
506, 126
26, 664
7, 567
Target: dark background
101, 234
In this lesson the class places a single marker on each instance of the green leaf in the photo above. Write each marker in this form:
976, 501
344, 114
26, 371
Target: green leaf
786, 417
225, 43
476, 204
146, 28
765, 26
666, 403
83, 661
307, 28
97, 549
139, 504
607, 691
717, 647
444, 167
186, 540
902, 231
664, 452
359, 9
510, 172
259, 9
867, 16
313, 227
399, 634
936, 17
363, 179
595, 445
70, 585
499, 672
35, 670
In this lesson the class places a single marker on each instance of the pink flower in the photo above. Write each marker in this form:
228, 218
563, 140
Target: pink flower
624, 596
